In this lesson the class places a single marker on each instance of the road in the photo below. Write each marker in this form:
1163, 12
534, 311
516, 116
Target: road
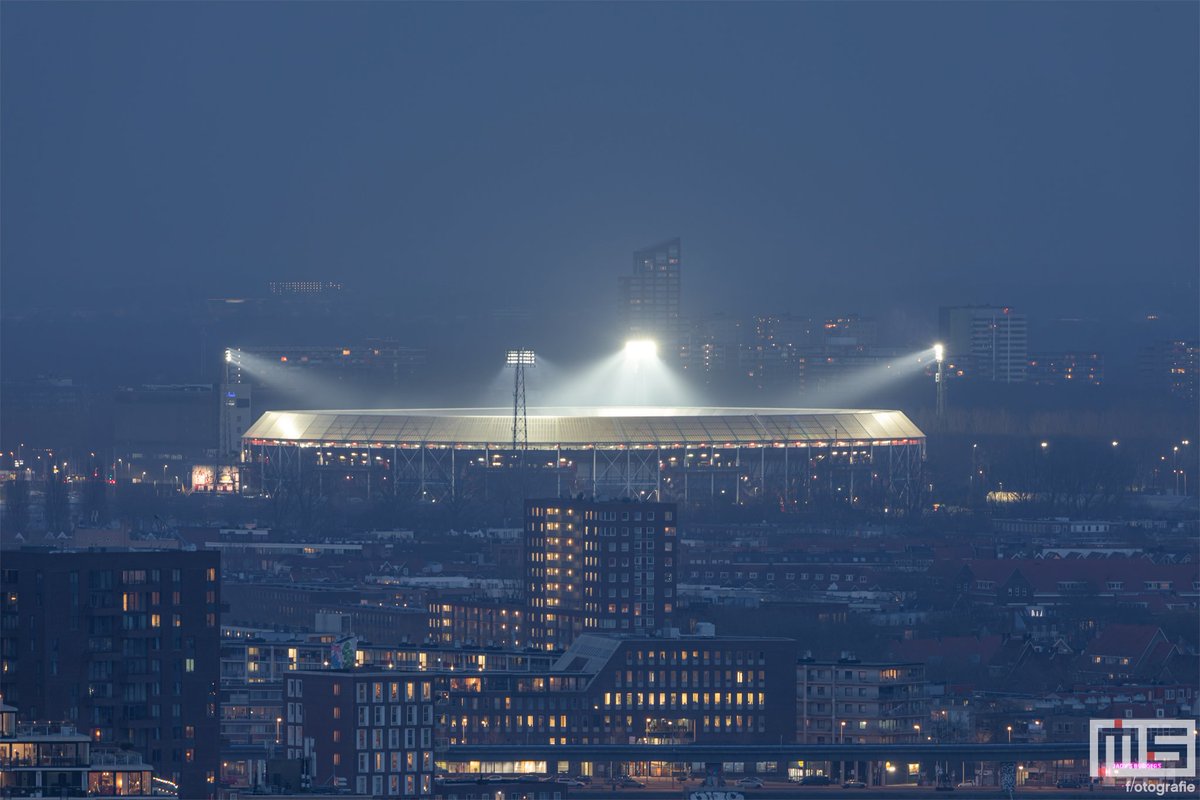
662, 789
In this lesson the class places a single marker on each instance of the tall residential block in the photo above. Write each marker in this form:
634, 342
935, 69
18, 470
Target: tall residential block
988, 343
123, 644
598, 566
650, 298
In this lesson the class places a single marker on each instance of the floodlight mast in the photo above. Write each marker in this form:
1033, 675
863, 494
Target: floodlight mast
519, 359
939, 356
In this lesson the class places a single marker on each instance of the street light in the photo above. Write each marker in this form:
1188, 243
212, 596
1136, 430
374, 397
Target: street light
1009, 734
841, 763
278, 721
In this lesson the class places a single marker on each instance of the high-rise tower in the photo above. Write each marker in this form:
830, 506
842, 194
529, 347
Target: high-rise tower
650, 298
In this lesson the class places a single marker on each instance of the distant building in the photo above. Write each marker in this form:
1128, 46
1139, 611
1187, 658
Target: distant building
304, 287
1066, 369
618, 689
650, 298
235, 418
598, 566
860, 702
480, 622
124, 645
713, 347
778, 351
1124, 652
164, 430
367, 731
850, 331
1172, 367
989, 343
54, 412
257, 378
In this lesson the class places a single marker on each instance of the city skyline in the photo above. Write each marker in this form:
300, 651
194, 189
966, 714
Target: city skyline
599, 401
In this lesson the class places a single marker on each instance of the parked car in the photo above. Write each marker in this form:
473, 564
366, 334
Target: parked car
854, 784
750, 782
815, 780
586, 780
1068, 783
626, 782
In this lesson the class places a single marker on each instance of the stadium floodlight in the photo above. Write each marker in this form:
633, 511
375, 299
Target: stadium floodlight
520, 357
939, 356
228, 355
641, 348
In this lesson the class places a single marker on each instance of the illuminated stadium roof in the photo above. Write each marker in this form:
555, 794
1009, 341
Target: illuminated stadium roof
603, 427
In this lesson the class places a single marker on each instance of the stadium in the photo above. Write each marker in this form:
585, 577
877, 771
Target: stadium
790, 457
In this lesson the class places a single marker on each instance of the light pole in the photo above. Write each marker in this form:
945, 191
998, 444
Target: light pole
939, 357
842, 762
1009, 734
278, 721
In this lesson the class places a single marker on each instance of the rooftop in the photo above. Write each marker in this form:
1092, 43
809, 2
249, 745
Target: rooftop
650, 426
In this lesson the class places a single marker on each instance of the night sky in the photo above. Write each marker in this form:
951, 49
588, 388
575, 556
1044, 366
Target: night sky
812, 156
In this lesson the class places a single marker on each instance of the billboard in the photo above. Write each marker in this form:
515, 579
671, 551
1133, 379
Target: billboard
207, 478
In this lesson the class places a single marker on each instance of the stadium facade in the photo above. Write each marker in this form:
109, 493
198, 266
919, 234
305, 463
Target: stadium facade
792, 457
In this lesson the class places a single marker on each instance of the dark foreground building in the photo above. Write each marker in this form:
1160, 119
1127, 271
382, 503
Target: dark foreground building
125, 645
612, 689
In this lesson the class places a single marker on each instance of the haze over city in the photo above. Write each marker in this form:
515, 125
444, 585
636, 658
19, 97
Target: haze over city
599, 400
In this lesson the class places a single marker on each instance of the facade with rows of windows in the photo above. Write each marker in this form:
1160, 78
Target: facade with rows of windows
369, 731
123, 644
597, 566
851, 701
612, 689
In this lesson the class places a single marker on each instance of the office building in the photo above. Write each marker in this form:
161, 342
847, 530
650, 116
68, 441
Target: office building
620, 689
597, 566
125, 646
989, 343
650, 298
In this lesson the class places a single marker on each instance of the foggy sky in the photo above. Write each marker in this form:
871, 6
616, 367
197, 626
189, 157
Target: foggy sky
473, 155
